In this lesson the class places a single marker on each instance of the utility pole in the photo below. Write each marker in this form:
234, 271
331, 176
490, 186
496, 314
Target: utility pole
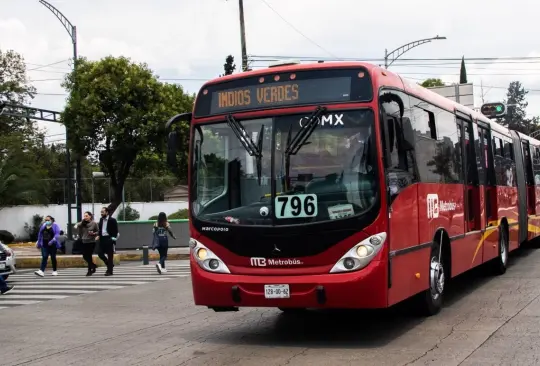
72, 32
243, 36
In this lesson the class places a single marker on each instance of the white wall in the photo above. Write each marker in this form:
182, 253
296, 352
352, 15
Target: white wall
13, 219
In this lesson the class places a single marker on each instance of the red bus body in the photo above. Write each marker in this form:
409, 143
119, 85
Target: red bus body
455, 204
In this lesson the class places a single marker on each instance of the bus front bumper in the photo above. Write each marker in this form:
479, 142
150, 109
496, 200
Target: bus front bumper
364, 289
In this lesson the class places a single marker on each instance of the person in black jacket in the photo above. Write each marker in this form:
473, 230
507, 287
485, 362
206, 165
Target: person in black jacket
108, 232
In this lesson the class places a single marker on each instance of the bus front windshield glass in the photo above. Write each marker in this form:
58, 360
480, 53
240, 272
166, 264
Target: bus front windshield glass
330, 176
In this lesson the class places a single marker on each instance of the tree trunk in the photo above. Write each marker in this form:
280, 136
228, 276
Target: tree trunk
116, 197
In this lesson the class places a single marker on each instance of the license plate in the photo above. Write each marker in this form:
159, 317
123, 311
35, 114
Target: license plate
2, 266
277, 291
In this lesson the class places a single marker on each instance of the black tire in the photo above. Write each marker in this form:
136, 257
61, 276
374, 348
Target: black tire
431, 299
500, 264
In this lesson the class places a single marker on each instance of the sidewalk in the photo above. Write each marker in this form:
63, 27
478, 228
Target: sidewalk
30, 257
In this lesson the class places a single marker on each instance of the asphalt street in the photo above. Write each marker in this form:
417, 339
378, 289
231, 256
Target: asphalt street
486, 321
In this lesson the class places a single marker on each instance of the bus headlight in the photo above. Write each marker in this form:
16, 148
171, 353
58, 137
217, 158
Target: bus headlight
206, 259
360, 255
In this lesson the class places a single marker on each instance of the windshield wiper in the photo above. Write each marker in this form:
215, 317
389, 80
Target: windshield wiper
247, 142
300, 139
305, 132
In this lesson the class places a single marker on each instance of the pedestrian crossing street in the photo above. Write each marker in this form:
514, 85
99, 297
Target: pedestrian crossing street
30, 289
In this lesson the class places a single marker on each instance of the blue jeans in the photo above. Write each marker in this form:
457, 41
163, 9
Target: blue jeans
3, 284
45, 252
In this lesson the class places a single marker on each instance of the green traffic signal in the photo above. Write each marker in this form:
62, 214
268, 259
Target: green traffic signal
499, 108
493, 110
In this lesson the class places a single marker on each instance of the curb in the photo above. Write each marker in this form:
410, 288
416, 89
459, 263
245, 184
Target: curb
76, 261
22, 245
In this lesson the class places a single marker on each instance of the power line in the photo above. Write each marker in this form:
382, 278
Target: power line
316, 58
48, 65
297, 30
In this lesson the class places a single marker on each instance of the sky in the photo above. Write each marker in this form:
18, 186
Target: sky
186, 41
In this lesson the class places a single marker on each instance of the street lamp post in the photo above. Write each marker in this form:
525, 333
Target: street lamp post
395, 54
95, 175
72, 31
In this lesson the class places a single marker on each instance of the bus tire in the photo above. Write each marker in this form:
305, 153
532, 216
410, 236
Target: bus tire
432, 298
500, 264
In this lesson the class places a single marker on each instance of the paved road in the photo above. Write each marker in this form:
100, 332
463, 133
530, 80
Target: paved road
30, 289
486, 321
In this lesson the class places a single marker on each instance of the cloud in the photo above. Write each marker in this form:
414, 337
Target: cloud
189, 39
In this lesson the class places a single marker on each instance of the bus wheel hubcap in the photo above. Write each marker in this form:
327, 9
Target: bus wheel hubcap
436, 278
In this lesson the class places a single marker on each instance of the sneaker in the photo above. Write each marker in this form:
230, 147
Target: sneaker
55, 273
7, 290
158, 267
164, 270
39, 273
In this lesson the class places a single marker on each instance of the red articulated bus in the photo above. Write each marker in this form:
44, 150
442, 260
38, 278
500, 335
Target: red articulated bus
342, 185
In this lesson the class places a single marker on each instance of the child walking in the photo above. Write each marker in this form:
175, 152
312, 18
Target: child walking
161, 230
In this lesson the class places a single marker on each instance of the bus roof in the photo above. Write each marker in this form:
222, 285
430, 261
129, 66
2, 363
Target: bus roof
380, 77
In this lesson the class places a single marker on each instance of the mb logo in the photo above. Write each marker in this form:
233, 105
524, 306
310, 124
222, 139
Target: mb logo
432, 206
258, 262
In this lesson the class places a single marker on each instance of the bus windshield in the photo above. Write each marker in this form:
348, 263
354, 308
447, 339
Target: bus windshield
332, 174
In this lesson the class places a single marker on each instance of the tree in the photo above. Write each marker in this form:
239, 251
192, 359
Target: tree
432, 82
516, 113
116, 112
229, 65
14, 89
463, 72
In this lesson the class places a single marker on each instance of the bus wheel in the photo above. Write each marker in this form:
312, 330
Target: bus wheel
431, 299
501, 262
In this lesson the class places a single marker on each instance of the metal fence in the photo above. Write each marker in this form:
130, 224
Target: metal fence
149, 189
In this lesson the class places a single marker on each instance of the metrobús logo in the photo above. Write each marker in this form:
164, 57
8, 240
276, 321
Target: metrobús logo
434, 206
214, 228
264, 262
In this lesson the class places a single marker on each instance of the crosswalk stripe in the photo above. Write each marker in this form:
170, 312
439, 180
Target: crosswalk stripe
96, 278
18, 290
30, 289
19, 302
37, 297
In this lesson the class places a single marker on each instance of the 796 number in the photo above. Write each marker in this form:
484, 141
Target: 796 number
297, 206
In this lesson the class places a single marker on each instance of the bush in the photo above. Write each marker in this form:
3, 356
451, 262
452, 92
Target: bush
180, 214
33, 230
131, 214
6, 237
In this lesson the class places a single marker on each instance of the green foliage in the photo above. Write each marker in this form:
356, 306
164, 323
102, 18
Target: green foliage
229, 65
516, 115
131, 214
14, 89
116, 112
432, 82
463, 72
6, 237
33, 229
180, 214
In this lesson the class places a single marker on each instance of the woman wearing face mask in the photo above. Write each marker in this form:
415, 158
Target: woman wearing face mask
88, 230
48, 243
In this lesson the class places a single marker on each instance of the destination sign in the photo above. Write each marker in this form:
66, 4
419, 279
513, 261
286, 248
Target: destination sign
281, 94
306, 88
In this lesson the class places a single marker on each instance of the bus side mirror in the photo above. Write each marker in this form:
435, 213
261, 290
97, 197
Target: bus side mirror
173, 142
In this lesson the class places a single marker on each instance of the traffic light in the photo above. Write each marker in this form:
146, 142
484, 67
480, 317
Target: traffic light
493, 110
